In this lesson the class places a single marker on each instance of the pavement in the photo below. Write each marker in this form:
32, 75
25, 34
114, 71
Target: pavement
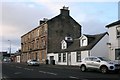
61, 66
57, 66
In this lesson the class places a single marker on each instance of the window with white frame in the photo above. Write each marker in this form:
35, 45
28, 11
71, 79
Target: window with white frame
64, 57
118, 31
38, 31
78, 56
59, 57
63, 45
83, 42
117, 54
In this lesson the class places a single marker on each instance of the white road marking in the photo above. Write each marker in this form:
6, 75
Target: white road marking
51, 73
28, 69
42, 71
73, 77
47, 73
24, 68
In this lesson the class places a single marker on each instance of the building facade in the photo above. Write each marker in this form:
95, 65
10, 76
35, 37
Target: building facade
33, 44
114, 40
46, 38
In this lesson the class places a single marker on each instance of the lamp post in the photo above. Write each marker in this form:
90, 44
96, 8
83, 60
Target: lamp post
10, 47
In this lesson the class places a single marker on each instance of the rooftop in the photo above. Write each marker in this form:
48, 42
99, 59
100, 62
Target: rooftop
113, 24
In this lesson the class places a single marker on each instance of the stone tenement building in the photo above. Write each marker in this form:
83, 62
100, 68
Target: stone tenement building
47, 37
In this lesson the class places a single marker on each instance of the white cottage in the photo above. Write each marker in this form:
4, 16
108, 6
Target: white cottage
114, 40
94, 45
72, 51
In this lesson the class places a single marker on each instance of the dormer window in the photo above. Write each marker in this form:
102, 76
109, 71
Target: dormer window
68, 39
63, 44
83, 41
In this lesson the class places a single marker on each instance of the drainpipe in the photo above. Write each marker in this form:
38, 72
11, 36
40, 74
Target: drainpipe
89, 53
46, 42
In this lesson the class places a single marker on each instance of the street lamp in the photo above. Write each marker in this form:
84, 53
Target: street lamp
10, 47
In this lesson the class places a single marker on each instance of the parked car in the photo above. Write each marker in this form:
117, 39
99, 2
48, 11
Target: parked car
100, 63
33, 63
6, 60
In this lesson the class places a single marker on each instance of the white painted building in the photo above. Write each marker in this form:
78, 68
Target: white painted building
72, 51
114, 40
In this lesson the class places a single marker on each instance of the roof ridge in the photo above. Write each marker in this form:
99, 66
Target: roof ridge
91, 35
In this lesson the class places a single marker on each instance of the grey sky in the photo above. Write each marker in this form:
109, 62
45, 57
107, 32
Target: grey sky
20, 17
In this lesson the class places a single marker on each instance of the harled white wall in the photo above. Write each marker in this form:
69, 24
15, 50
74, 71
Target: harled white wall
101, 48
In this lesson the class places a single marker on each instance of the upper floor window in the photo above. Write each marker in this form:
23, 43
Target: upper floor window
38, 31
118, 31
37, 43
63, 44
83, 42
43, 44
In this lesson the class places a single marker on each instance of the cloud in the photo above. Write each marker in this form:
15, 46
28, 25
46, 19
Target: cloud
93, 26
21, 16
17, 19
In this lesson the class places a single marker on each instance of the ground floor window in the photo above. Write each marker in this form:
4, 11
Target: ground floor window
78, 56
117, 54
59, 57
64, 57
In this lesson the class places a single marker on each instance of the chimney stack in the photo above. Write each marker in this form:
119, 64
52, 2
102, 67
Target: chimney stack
43, 21
64, 11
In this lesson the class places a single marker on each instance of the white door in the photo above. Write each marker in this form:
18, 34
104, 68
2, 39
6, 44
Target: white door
68, 58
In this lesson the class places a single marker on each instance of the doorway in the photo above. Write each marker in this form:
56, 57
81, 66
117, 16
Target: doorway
51, 59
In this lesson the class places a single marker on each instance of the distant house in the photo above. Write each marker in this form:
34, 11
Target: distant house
114, 40
73, 50
17, 56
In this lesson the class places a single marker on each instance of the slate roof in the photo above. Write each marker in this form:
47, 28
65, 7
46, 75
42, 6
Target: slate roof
113, 24
92, 41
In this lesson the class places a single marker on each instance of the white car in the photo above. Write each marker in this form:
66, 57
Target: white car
99, 63
33, 62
